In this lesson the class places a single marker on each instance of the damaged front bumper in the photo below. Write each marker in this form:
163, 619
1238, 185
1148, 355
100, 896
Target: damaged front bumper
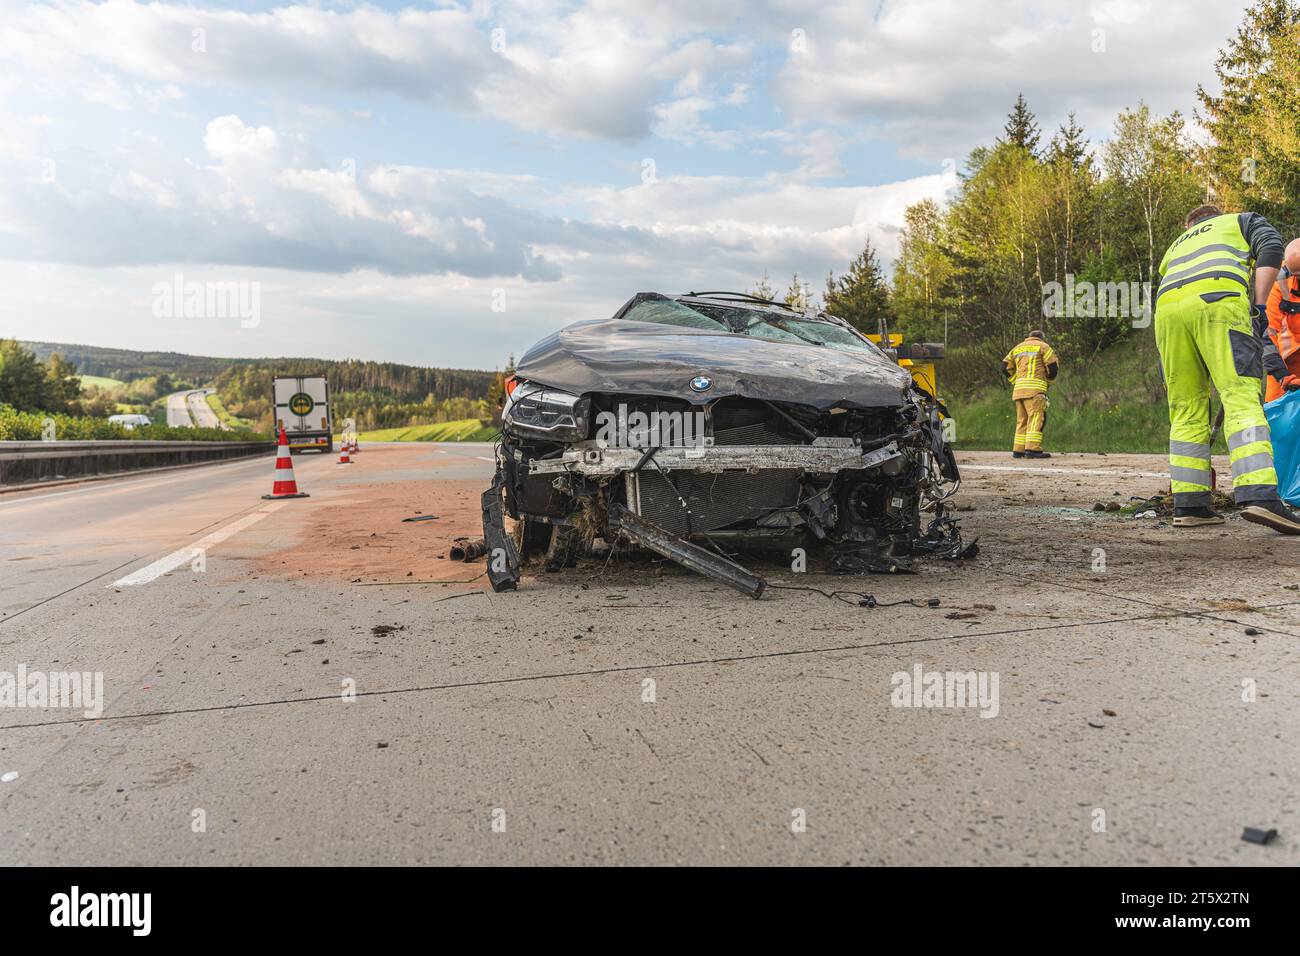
871, 503
824, 456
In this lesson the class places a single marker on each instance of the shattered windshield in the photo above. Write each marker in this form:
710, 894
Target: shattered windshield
759, 323
794, 329
668, 312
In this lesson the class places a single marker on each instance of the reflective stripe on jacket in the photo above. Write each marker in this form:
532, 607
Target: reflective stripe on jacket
1028, 367
1211, 260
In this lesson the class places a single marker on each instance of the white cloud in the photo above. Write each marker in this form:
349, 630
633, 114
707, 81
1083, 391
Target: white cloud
585, 71
161, 180
938, 76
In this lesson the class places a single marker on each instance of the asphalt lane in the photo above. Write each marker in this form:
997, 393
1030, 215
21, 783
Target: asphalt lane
178, 412
201, 411
254, 712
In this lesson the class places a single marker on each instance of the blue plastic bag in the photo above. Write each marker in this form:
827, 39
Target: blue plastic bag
1283, 416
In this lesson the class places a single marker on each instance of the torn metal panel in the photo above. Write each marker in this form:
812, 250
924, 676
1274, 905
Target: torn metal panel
502, 555
688, 555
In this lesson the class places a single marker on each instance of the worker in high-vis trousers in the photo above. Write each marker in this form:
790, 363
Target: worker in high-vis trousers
1210, 327
1029, 367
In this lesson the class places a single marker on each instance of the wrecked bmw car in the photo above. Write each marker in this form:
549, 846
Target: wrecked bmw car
709, 424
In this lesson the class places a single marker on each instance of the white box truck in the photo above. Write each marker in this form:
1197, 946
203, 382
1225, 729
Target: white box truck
302, 409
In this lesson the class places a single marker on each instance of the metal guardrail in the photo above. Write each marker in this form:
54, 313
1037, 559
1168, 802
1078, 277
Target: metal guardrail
26, 462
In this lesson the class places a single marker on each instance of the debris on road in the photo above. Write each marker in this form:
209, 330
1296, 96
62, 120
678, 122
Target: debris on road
1258, 835
467, 549
379, 630
649, 535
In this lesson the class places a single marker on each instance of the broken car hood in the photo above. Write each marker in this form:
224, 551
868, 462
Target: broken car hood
643, 358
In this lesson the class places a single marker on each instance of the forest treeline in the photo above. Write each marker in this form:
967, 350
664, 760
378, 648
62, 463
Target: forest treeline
1036, 215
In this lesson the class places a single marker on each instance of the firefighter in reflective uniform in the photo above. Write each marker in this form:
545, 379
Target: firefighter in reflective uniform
1210, 327
1029, 367
1283, 308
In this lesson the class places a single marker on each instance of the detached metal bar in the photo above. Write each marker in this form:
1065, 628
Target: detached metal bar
691, 556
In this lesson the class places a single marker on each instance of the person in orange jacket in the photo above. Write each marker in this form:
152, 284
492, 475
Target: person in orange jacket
1283, 308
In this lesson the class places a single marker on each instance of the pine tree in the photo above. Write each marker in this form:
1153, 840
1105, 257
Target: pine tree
1254, 155
861, 296
1022, 127
1068, 144
764, 289
798, 295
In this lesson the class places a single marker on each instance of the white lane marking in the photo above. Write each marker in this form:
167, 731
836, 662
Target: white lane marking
174, 560
127, 482
1067, 471
481, 458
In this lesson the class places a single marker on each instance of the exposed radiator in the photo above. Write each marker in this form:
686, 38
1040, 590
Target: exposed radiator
713, 501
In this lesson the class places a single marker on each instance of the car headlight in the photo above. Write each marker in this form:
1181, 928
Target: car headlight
540, 412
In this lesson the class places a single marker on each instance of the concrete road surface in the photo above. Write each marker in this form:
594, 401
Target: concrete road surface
190, 408
201, 411
312, 682
178, 411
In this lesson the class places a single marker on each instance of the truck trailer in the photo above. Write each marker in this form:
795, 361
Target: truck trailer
302, 409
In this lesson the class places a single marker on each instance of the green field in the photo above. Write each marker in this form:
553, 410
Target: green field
100, 381
224, 416
471, 429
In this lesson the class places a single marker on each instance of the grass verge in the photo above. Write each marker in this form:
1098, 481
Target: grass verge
471, 429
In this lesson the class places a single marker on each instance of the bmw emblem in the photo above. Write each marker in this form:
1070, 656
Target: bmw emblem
701, 383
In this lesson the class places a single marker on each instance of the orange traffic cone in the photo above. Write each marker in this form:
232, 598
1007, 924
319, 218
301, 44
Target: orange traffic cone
285, 485
344, 459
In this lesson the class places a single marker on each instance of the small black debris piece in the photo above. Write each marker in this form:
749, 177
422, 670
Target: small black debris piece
1252, 632
1257, 835
422, 518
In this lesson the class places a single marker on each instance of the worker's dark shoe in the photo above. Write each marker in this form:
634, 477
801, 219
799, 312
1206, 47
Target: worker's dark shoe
1272, 514
1017, 454
1196, 517
1038, 454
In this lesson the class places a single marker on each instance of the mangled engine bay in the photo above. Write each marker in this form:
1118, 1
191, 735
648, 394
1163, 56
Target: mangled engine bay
699, 453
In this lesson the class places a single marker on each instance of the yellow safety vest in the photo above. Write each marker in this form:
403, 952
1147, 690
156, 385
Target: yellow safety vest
1212, 256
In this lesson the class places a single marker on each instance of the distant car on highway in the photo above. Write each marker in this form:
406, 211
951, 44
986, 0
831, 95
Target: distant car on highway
131, 421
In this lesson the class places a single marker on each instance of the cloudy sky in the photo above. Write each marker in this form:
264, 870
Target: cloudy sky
444, 183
